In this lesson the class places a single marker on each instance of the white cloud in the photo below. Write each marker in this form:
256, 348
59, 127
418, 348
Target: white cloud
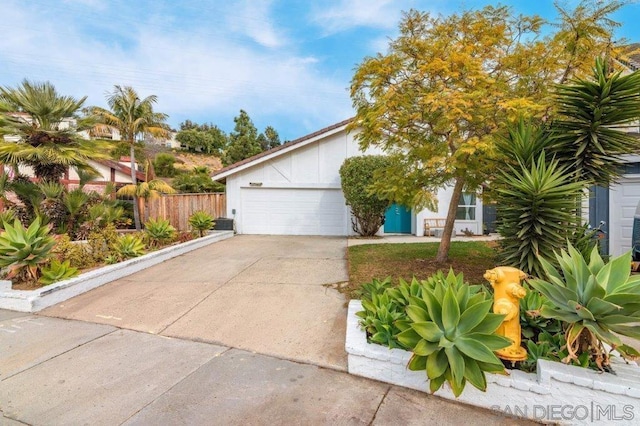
253, 18
346, 14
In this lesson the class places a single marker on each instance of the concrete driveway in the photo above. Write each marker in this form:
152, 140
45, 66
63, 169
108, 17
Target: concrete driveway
264, 294
207, 338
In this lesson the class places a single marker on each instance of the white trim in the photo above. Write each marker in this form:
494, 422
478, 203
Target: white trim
279, 153
292, 185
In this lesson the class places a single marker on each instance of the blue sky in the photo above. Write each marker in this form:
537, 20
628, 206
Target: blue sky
287, 63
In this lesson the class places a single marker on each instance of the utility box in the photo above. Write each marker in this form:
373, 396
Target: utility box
223, 224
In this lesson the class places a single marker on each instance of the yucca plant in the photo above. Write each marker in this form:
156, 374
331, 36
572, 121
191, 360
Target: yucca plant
451, 333
24, 251
537, 207
57, 271
595, 300
159, 231
588, 135
201, 221
128, 246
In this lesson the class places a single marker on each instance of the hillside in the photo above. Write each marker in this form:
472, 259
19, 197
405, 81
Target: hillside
187, 161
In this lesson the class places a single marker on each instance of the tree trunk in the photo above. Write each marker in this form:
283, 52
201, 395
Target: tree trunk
136, 208
445, 241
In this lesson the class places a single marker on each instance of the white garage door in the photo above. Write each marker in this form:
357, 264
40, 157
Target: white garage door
293, 211
623, 200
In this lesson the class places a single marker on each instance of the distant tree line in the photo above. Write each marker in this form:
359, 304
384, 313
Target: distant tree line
243, 142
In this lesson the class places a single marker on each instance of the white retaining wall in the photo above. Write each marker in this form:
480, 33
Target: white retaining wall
558, 393
35, 300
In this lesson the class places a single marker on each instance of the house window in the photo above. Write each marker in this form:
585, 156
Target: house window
466, 207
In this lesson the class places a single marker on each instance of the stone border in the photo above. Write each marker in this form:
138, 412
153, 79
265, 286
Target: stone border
35, 300
557, 393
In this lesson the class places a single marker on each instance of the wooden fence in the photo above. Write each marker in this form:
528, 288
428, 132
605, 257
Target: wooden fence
179, 207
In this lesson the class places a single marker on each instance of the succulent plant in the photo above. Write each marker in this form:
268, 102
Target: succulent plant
595, 299
159, 231
7, 216
24, 251
451, 333
57, 271
128, 246
201, 221
531, 321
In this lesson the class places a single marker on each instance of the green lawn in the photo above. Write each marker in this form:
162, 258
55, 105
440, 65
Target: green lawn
417, 259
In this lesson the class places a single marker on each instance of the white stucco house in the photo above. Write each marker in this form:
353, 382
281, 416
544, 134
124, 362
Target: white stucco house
294, 189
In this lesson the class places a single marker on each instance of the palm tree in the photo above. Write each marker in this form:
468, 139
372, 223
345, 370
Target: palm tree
150, 189
46, 125
132, 117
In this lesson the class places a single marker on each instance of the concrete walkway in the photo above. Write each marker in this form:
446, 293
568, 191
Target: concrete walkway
246, 331
402, 239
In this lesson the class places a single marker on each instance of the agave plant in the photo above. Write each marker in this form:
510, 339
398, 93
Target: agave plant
159, 231
451, 333
201, 221
595, 299
128, 246
57, 271
23, 251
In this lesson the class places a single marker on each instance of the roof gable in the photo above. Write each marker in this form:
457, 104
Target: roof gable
280, 150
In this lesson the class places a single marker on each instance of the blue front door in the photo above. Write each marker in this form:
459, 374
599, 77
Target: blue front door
397, 220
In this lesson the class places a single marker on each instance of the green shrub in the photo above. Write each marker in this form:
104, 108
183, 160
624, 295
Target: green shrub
201, 222
595, 300
78, 254
451, 333
57, 271
164, 165
159, 232
24, 251
100, 243
357, 175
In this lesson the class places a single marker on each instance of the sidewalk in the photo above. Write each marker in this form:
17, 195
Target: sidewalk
65, 372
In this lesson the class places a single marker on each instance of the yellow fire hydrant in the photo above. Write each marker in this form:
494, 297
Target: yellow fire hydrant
505, 281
